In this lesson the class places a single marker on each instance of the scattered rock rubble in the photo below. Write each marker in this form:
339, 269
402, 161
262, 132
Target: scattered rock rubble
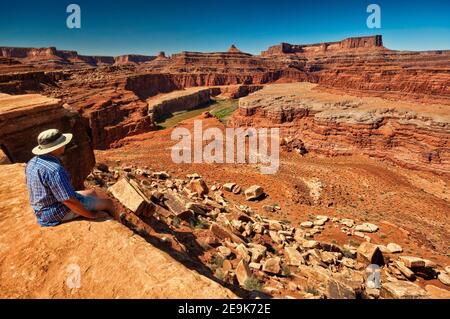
266, 256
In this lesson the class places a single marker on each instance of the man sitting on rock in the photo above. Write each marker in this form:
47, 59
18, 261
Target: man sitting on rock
52, 195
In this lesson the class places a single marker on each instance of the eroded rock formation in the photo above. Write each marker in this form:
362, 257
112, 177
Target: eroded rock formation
370, 42
364, 66
177, 101
331, 124
133, 58
34, 81
113, 98
48, 58
23, 117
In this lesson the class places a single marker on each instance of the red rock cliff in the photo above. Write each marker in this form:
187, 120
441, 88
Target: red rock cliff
402, 133
370, 42
133, 58
23, 117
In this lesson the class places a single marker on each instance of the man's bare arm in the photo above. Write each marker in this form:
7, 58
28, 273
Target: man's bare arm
74, 205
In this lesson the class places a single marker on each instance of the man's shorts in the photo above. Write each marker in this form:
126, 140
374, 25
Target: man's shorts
89, 203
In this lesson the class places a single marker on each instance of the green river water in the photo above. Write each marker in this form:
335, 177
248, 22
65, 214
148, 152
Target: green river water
222, 109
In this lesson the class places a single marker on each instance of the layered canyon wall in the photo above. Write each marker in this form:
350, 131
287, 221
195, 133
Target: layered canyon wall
345, 125
113, 98
48, 58
361, 65
115, 105
35, 81
370, 42
133, 58
189, 99
54, 58
23, 117
364, 66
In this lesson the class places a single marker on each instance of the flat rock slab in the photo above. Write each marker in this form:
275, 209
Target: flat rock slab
224, 233
243, 272
254, 192
402, 290
367, 228
370, 254
412, 262
334, 288
175, 204
229, 186
125, 193
394, 248
294, 256
113, 262
26, 102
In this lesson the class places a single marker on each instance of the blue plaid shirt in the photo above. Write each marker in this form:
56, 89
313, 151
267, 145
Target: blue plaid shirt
48, 186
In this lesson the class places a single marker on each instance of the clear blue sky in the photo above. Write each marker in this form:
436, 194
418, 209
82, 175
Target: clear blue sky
146, 27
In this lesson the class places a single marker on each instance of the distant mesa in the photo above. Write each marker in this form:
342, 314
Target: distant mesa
366, 43
133, 58
233, 49
52, 57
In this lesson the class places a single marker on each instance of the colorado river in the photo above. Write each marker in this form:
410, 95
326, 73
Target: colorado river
222, 109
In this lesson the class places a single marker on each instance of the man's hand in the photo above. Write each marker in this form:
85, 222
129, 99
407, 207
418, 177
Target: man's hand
74, 205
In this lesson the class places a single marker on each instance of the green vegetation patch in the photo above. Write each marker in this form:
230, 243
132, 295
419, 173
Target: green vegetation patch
219, 108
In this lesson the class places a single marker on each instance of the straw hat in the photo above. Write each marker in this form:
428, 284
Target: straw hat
51, 140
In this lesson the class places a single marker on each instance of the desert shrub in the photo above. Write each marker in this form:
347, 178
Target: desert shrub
219, 274
312, 290
199, 224
354, 243
176, 221
217, 261
253, 284
285, 271
347, 253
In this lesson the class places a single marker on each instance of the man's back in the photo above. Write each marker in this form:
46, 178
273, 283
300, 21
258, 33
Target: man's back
48, 186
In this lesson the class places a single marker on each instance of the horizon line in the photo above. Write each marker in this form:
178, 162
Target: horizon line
183, 51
